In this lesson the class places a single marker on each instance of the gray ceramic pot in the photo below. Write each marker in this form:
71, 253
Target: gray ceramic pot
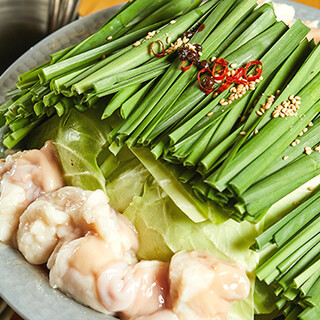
22, 24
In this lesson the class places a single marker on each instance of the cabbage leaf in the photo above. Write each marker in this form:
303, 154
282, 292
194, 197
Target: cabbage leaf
79, 138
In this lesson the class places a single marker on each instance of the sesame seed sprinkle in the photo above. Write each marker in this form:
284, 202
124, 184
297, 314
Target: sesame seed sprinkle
287, 108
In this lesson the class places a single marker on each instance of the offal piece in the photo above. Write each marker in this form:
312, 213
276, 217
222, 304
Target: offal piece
148, 284
70, 213
24, 177
160, 315
76, 266
203, 287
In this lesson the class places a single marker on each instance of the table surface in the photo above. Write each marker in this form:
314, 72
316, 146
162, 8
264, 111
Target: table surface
89, 6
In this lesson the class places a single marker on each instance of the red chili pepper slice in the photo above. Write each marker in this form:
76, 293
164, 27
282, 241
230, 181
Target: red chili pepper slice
224, 86
222, 62
183, 68
224, 71
206, 91
257, 75
158, 54
236, 78
201, 28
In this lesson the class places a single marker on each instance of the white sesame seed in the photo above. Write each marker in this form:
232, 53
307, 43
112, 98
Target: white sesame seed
256, 131
285, 158
210, 114
233, 65
173, 21
308, 150
310, 188
243, 133
169, 39
137, 44
109, 38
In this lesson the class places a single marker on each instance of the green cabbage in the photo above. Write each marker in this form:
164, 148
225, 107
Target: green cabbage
79, 138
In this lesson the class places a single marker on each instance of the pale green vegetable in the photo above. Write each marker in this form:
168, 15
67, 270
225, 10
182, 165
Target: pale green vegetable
182, 196
79, 138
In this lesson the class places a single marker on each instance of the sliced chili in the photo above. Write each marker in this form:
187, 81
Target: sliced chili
158, 54
259, 72
201, 28
224, 71
185, 68
224, 86
205, 90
